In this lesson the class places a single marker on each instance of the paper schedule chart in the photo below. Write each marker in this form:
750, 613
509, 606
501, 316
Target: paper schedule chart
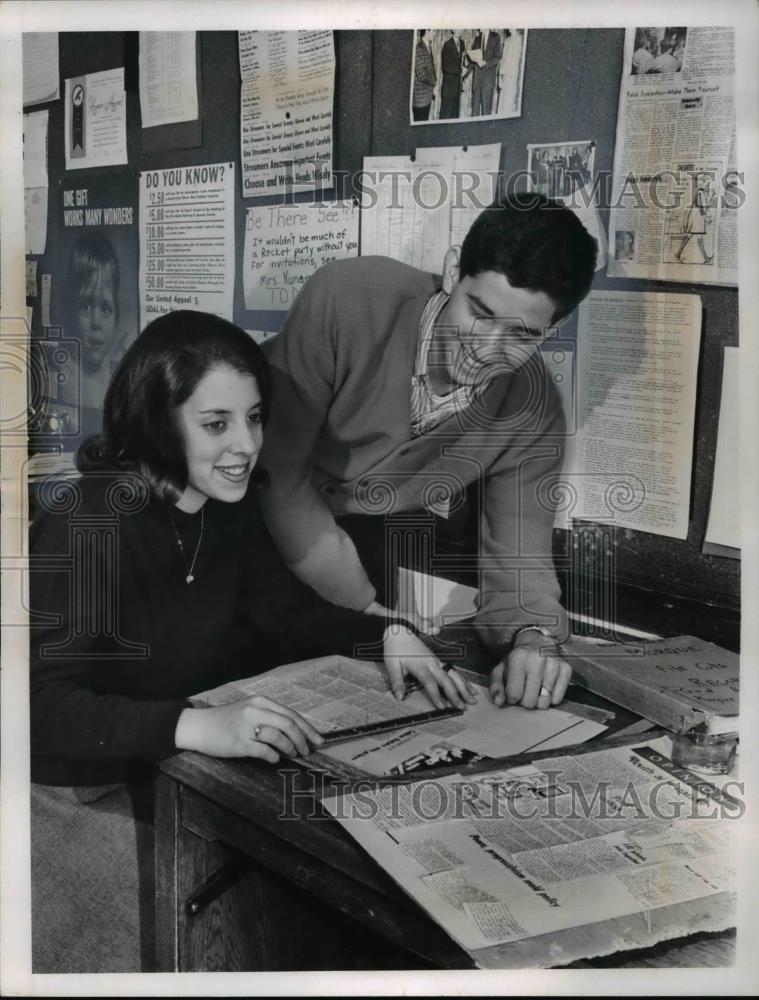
187, 240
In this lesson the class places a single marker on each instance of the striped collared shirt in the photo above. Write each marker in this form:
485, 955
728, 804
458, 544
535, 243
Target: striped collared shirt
427, 408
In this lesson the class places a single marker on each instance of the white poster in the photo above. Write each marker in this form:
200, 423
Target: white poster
168, 82
288, 83
187, 248
95, 120
675, 189
285, 244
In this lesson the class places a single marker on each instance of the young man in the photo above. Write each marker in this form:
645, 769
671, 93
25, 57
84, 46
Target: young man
394, 388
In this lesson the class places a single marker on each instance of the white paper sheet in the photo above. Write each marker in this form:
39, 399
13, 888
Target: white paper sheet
168, 81
288, 82
724, 526
285, 244
413, 211
187, 249
261, 336
434, 598
35, 219
35, 149
41, 73
47, 286
35, 181
636, 376
31, 279
95, 120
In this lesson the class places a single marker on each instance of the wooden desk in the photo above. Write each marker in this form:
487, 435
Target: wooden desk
309, 896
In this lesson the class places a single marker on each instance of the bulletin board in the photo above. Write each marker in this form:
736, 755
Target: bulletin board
570, 90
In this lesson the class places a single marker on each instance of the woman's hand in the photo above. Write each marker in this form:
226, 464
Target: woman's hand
404, 654
424, 625
251, 727
536, 675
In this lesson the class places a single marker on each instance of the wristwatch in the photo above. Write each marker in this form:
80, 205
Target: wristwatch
532, 628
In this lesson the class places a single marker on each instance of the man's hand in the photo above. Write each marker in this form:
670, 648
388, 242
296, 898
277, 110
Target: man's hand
535, 674
405, 654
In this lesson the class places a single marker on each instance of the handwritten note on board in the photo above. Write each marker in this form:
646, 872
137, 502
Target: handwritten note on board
285, 244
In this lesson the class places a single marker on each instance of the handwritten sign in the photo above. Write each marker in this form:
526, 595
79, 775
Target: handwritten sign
285, 244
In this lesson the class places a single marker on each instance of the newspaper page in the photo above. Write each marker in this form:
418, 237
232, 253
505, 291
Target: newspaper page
413, 210
285, 244
637, 361
187, 246
675, 190
334, 693
571, 841
288, 83
168, 81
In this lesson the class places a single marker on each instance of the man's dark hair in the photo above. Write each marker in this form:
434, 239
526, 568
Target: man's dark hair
538, 244
158, 373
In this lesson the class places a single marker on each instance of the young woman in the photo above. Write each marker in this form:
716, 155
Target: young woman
153, 578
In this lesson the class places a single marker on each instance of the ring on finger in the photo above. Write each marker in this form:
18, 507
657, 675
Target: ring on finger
544, 692
257, 732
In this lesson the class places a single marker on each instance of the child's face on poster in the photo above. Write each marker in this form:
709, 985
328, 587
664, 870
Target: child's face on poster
96, 320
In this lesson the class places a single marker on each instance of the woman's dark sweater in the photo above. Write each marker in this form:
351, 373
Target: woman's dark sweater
119, 639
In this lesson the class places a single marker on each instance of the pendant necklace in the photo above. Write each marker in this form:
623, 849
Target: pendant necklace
188, 566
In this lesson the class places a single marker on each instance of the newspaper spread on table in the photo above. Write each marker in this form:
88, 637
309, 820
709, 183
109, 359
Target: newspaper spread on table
334, 692
573, 840
676, 189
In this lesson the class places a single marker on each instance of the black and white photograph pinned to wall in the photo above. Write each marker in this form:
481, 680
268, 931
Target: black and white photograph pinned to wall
466, 74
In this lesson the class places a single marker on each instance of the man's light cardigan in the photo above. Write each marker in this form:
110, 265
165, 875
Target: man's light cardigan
339, 441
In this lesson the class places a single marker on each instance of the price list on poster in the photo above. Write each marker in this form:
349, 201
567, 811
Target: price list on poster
187, 240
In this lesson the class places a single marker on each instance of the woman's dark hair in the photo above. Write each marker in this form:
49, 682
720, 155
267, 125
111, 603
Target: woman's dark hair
158, 373
538, 244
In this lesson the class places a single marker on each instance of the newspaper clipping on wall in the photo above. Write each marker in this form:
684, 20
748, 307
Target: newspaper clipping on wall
676, 186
